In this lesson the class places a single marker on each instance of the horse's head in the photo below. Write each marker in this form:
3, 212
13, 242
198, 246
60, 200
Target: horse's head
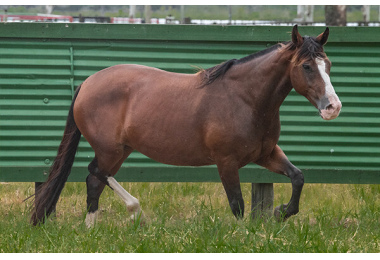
310, 72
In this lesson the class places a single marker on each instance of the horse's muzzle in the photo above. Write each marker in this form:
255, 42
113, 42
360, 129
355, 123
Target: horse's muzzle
332, 110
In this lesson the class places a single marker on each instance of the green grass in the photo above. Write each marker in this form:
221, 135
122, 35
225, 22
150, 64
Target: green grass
195, 217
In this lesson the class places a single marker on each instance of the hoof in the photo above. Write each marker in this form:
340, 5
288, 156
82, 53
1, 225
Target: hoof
283, 212
280, 213
91, 219
139, 218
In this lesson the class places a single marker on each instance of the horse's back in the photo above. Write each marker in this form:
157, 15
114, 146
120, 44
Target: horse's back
130, 77
148, 109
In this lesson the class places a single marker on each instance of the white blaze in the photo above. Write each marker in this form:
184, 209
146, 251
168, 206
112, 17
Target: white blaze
329, 89
332, 111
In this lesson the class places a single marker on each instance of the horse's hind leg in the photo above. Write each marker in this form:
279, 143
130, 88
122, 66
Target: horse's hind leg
279, 163
96, 185
133, 205
94, 189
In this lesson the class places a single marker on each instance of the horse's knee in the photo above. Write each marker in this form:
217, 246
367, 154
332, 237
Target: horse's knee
297, 178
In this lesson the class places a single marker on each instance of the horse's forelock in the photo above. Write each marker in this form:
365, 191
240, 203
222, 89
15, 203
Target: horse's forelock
309, 50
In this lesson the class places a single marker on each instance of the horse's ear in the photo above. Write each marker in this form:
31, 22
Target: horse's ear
296, 36
322, 38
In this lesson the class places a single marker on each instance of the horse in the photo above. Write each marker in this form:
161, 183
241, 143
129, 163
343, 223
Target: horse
226, 115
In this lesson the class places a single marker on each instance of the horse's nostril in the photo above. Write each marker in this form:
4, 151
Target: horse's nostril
330, 106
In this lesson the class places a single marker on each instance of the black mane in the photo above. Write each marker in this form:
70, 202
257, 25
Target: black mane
309, 50
213, 73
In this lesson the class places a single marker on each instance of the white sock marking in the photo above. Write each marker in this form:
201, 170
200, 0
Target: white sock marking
91, 218
132, 203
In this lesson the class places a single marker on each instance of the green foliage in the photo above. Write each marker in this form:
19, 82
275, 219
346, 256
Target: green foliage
212, 12
194, 217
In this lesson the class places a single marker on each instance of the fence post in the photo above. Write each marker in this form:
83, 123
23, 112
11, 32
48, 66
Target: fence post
262, 200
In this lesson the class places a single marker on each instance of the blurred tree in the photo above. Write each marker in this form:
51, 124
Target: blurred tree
335, 15
148, 13
366, 13
305, 13
132, 11
49, 8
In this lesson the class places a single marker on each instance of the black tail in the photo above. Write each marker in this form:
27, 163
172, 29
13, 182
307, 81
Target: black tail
47, 194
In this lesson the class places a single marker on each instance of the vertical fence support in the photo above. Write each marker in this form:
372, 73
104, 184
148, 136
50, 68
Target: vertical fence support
262, 200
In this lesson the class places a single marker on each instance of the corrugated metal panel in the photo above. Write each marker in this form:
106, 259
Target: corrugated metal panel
35, 90
38, 72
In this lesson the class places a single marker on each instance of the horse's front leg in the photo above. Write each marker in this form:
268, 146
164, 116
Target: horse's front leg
278, 162
229, 175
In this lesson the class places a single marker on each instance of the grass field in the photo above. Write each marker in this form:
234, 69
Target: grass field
194, 217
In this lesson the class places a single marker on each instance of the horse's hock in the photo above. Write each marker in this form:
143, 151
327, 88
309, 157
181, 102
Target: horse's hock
43, 63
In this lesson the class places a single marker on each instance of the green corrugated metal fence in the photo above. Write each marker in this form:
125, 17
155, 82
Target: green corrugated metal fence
41, 64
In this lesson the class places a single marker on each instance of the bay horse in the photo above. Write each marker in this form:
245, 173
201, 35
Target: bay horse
226, 115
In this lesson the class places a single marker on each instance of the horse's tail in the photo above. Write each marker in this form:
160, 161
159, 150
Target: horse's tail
47, 194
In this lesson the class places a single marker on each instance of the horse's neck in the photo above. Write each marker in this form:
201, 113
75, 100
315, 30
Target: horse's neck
266, 79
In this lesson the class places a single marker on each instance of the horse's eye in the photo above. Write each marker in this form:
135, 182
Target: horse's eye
306, 67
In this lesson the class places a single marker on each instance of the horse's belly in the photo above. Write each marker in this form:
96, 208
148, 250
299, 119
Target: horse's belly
169, 143
176, 156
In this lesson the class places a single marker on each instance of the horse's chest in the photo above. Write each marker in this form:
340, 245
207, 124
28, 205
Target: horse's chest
264, 137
